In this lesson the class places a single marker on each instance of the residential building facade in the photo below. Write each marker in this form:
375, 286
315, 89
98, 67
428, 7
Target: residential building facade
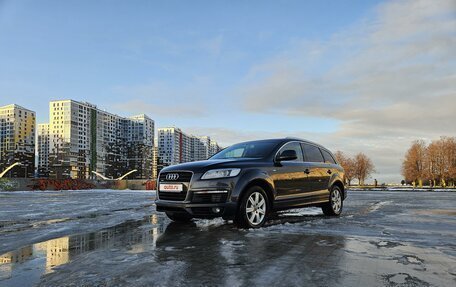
43, 150
174, 147
17, 140
214, 148
83, 138
140, 145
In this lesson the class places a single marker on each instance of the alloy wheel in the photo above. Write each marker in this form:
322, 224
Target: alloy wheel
255, 208
336, 200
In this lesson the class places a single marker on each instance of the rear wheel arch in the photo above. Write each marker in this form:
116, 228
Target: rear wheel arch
335, 204
340, 185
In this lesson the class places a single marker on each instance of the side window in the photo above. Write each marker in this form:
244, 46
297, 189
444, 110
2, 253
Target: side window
296, 147
312, 153
328, 157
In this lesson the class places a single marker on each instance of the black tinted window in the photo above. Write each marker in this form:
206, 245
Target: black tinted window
312, 153
296, 147
328, 157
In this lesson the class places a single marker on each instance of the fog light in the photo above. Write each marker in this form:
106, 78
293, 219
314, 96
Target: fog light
216, 210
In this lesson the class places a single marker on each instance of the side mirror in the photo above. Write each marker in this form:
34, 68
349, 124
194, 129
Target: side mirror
286, 155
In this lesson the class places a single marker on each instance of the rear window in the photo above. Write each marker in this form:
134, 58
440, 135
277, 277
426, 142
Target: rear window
312, 153
328, 157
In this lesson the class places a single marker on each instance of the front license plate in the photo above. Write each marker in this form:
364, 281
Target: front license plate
171, 187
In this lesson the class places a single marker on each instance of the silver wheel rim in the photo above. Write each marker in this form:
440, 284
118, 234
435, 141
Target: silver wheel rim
256, 208
336, 200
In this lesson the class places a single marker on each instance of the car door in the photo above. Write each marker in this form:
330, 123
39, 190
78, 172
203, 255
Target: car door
316, 171
289, 176
330, 165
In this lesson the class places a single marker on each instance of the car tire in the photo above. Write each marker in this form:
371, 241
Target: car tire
335, 204
253, 208
179, 216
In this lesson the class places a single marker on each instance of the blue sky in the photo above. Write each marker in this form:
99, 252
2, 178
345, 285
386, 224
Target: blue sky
337, 72
196, 53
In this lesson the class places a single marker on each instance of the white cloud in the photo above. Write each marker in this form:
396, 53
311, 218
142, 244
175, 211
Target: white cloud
162, 99
152, 109
389, 79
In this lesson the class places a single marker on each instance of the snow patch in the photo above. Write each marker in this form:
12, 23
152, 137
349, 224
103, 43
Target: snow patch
376, 206
303, 211
209, 223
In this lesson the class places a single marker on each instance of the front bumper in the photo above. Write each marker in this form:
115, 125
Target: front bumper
203, 197
200, 210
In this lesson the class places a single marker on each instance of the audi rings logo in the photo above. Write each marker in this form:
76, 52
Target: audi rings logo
172, 176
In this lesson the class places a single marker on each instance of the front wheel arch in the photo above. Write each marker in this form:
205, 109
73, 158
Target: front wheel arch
241, 218
266, 186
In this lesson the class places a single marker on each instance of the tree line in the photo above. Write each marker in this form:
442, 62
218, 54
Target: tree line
433, 164
359, 167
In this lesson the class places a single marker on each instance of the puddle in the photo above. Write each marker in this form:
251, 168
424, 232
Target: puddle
385, 244
404, 279
398, 278
26, 265
410, 259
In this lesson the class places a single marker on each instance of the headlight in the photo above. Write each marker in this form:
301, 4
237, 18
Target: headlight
221, 173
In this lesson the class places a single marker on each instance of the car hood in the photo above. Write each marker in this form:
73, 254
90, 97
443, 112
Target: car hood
197, 166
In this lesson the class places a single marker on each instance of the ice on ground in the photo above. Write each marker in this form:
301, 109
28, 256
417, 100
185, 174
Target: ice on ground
108, 238
38, 216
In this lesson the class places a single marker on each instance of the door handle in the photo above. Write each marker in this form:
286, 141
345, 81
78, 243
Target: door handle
329, 171
307, 171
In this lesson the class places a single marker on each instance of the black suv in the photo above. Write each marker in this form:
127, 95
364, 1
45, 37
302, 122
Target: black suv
247, 181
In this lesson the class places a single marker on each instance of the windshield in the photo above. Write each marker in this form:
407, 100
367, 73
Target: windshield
258, 149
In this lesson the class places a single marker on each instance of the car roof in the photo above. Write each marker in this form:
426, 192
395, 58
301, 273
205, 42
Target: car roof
303, 140
286, 139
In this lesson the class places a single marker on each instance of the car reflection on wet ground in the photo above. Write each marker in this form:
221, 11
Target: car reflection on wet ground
111, 239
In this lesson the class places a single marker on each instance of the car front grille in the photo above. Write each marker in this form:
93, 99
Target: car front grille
184, 177
174, 196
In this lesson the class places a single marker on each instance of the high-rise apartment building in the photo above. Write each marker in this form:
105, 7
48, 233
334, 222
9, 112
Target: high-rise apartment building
214, 148
43, 150
17, 140
140, 144
175, 146
158, 163
155, 159
83, 138
172, 145
201, 147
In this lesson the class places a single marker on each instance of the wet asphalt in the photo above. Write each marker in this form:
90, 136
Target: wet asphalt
116, 238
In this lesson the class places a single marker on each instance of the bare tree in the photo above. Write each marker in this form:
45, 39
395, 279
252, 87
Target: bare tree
438, 170
348, 164
435, 162
363, 167
414, 164
451, 158
448, 148
432, 163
